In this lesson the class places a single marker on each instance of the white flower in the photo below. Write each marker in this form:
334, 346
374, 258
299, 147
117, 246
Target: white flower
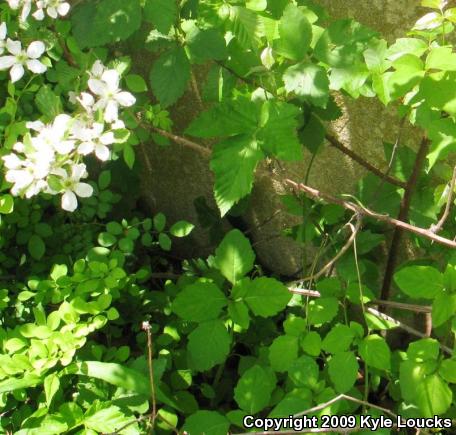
26, 7
54, 135
94, 140
110, 96
97, 70
72, 186
3, 32
53, 8
19, 58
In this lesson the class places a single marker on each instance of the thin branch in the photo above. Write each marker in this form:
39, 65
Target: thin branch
369, 213
146, 327
403, 216
196, 90
180, 140
341, 252
439, 225
358, 159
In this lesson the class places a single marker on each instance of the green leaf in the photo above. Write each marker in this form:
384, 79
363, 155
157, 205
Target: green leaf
312, 135
311, 343
159, 222
267, 296
295, 34
254, 388
170, 75
136, 83
433, 4
161, 13
304, 372
283, 352
36, 247
199, 302
208, 44
375, 352
104, 180
206, 423
443, 308
181, 229
322, 310
437, 90
208, 345
51, 386
239, 313
129, 156
12, 384
308, 81
164, 241
6, 204
448, 370
419, 281
294, 402
105, 418
234, 257
48, 103
246, 26
404, 46
343, 371
338, 339
441, 58
426, 349
409, 72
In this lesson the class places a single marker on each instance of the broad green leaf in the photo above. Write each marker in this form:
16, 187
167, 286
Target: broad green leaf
433, 4
295, 326
36, 247
375, 352
295, 401
254, 388
239, 313
312, 135
104, 180
430, 21
426, 349
208, 44
120, 376
257, 5
208, 345
48, 103
6, 204
161, 13
267, 297
106, 418
443, 308
404, 46
419, 281
447, 370
438, 91
129, 156
304, 372
206, 423
409, 70
295, 34
159, 222
343, 371
246, 25
199, 302
283, 352
441, 58
442, 134
308, 81
234, 162
234, 257
181, 229
311, 343
375, 56
169, 76
338, 339
136, 83
163, 240
51, 386
12, 384
322, 310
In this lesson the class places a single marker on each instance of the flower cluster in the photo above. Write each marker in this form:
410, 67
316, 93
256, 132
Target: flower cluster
51, 8
17, 58
49, 157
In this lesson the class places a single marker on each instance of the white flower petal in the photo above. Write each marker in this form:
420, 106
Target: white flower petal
16, 72
112, 78
12, 161
111, 112
7, 62
36, 49
78, 171
60, 124
102, 152
63, 9
69, 201
83, 190
36, 66
64, 147
86, 148
14, 47
107, 138
38, 15
97, 87
3, 31
35, 125
125, 99
26, 10
97, 69
52, 12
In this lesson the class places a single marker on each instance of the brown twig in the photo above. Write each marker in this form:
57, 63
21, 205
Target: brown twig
358, 159
196, 90
369, 213
439, 225
403, 216
146, 327
180, 140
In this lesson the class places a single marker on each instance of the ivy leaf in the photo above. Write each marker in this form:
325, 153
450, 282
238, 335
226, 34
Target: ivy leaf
295, 34
234, 162
199, 302
206, 423
254, 388
267, 296
161, 13
343, 371
208, 345
283, 352
338, 339
375, 352
419, 281
208, 44
170, 75
308, 81
234, 257
36, 247
443, 308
